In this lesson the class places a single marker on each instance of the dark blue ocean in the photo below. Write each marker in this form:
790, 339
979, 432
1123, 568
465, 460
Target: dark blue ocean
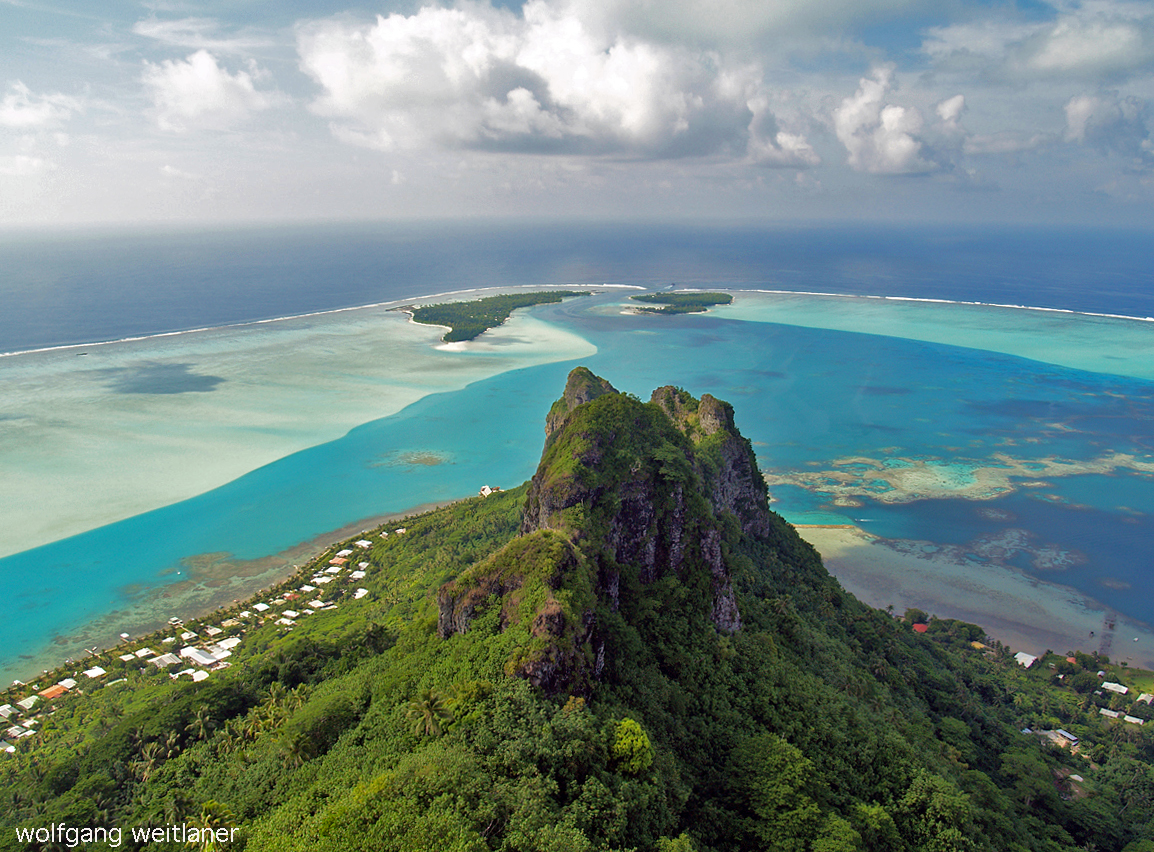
79, 287
805, 396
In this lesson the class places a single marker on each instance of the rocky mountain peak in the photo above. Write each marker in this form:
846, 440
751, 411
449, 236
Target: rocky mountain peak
637, 492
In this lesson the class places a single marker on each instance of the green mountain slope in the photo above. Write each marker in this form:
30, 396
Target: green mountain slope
631, 651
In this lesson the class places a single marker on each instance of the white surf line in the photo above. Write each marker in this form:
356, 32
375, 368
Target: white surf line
328, 312
940, 302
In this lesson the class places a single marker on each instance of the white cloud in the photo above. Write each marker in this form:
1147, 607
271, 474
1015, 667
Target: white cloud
20, 165
200, 34
1096, 46
1112, 123
769, 145
950, 110
197, 92
173, 172
21, 110
881, 138
543, 81
728, 22
1087, 40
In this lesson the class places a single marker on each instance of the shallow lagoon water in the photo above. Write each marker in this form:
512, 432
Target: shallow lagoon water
841, 400
109, 431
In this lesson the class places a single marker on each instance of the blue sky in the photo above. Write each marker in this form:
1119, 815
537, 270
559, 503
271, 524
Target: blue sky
902, 110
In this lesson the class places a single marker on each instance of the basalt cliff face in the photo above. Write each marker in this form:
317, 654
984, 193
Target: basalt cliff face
628, 496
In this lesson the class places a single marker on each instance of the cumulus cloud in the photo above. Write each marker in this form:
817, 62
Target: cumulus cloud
542, 81
21, 110
769, 145
887, 139
197, 92
880, 138
1112, 123
1086, 40
950, 110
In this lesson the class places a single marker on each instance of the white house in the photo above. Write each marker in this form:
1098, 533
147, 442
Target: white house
198, 656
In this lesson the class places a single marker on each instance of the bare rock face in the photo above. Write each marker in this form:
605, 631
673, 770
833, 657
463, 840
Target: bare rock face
581, 387
638, 479
734, 483
623, 488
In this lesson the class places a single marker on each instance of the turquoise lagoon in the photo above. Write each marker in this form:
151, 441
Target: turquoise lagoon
944, 423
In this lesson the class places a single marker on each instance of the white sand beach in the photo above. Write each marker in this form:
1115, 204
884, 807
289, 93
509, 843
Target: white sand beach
1019, 610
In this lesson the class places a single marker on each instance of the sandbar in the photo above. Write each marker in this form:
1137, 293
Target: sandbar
904, 480
137, 425
1019, 610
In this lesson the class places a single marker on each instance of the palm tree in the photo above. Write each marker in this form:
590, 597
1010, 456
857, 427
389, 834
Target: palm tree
213, 815
201, 725
177, 807
296, 698
428, 712
151, 757
276, 694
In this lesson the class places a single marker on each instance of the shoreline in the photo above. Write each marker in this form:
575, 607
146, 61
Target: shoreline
215, 583
398, 304
1025, 613
1022, 612
390, 305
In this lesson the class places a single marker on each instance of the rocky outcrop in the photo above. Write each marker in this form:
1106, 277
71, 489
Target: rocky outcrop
623, 487
582, 386
733, 482
627, 470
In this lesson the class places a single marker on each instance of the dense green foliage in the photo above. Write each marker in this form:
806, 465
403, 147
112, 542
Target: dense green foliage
682, 303
821, 726
466, 320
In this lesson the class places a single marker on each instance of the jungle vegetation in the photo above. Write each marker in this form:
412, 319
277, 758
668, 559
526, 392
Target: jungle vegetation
822, 725
467, 320
682, 303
